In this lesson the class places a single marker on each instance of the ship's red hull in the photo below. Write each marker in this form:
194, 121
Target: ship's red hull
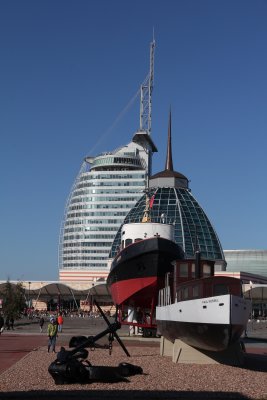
137, 291
137, 272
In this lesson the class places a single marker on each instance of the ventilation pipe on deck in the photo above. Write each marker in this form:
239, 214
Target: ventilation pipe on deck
198, 264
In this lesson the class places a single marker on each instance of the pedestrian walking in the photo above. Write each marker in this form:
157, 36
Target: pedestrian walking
11, 323
2, 323
52, 334
41, 323
60, 322
7, 324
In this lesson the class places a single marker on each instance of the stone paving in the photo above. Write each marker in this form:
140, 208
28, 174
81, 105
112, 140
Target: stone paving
26, 337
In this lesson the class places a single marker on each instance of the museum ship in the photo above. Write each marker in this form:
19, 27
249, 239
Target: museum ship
146, 251
171, 279
204, 311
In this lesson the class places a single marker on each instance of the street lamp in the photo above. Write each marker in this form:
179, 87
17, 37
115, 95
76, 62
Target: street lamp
29, 294
251, 299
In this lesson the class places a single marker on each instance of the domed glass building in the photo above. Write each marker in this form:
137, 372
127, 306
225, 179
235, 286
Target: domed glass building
172, 202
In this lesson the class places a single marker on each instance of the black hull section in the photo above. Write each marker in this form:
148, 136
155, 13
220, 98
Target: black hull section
147, 258
210, 337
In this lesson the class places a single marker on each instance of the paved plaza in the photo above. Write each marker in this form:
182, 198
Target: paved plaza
27, 338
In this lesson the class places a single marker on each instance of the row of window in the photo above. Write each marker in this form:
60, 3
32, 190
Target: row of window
83, 265
103, 199
92, 228
117, 160
189, 270
128, 183
96, 214
73, 237
91, 176
79, 251
92, 221
196, 291
83, 258
86, 244
95, 206
82, 192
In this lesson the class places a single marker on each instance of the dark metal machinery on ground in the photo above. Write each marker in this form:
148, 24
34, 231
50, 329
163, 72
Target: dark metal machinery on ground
72, 366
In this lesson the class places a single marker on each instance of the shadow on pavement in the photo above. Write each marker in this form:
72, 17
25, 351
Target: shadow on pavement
255, 362
123, 395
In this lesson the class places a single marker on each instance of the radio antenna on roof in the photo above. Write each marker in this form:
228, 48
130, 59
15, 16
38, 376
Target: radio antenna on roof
146, 93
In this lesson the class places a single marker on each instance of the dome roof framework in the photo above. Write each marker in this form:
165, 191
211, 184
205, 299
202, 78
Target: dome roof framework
193, 230
174, 203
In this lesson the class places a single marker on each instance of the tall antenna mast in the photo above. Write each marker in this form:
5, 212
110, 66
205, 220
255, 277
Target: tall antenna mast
146, 94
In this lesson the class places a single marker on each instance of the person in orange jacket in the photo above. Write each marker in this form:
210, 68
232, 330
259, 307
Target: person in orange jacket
59, 322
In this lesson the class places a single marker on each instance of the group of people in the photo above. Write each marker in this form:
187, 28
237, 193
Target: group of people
54, 327
7, 323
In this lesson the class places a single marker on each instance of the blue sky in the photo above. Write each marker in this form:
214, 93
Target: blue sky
69, 68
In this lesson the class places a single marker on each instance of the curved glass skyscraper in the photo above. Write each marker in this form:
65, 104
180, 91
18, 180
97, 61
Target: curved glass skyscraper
106, 188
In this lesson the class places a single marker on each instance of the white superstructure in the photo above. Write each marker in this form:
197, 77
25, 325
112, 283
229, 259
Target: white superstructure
131, 233
212, 310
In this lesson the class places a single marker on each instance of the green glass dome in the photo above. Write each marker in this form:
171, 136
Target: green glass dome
174, 203
193, 229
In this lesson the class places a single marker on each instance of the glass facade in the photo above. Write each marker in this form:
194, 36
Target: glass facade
252, 261
193, 230
105, 190
109, 191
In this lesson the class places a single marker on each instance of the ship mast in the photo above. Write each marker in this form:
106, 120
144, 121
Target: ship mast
169, 163
146, 215
146, 94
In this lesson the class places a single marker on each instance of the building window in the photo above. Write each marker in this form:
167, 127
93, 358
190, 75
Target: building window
127, 242
185, 293
220, 289
184, 270
206, 270
196, 291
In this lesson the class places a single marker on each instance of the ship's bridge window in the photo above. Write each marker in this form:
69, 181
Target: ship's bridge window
127, 242
183, 270
185, 293
122, 244
179, 295
196, 291
137, 240
206, 270
220, 289
193, 270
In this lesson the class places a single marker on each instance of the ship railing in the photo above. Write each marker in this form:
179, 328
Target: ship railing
164, 297
159, 220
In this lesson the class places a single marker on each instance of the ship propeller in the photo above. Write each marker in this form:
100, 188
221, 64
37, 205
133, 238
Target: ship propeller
112, 332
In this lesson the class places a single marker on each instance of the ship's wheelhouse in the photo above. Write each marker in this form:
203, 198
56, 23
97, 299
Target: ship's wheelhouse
209, 287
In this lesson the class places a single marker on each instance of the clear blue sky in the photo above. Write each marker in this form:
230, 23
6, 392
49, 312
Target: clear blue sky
68, 69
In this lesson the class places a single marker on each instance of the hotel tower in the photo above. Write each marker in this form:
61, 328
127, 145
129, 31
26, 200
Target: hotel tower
105, 190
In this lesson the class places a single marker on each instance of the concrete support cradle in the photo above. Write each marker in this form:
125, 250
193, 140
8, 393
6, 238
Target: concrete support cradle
185, 354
